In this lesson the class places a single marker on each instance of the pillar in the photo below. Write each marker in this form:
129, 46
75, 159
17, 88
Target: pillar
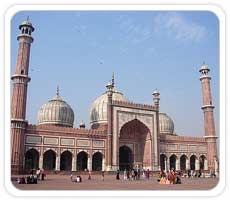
89, 162
74, 168
197, 164
187, 164
177, 164
205, 164
103, 163
165, 161
57, 165
41, 160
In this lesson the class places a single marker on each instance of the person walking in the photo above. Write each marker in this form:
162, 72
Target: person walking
118, 175
38, 173
89, 175
102, 175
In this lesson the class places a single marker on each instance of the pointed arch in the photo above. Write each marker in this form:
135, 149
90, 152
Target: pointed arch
49, 160
163, 159
193, 162
97, 161
82, 160
125, 158
183, 159
31, 159
172, 162
66, 160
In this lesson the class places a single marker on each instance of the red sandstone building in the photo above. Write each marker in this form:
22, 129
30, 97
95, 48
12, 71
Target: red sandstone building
123, 134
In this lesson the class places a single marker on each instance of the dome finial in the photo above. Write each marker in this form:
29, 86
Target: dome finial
57, 92
28, 19
113, 79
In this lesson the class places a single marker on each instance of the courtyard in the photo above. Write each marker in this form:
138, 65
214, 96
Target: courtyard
63, 182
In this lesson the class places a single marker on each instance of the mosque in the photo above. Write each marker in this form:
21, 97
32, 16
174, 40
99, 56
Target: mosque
122, 134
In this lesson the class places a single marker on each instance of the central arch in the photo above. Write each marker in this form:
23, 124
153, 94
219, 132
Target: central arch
125, 158
135, 145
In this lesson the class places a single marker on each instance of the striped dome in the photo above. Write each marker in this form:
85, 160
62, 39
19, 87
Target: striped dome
56, 112
166, 124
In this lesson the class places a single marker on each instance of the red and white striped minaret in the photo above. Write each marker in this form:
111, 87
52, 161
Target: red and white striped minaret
209, 124
18, 102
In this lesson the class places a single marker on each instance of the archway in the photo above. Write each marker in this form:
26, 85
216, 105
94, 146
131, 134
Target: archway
137, 135
49, 160
97, 161
66, 161
202, 160
183, 159
31, 159
82, 159
172, 162
162, 161
192, 162
125, 158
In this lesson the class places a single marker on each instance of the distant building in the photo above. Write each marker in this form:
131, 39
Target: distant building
123, 134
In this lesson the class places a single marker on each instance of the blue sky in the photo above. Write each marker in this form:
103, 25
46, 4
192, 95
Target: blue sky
78, 51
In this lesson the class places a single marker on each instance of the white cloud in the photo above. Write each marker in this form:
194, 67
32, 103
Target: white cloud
177, 26
134, 32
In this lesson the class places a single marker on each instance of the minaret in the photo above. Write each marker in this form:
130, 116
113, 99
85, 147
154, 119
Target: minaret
110, 87
156, 101
18, 102
209, 125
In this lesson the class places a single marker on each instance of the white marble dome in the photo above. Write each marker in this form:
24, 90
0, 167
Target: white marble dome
98, 110
166, 124
56, 112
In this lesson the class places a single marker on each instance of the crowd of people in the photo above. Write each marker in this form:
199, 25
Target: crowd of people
169, 177
33, 177
134, 174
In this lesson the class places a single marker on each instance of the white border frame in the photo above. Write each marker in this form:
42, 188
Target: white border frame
222, 65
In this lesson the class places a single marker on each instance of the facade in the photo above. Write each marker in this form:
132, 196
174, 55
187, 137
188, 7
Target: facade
123, 134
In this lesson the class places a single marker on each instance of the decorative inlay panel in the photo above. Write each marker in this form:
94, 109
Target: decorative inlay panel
67, 141
172, 146
163, 148
202, 149
51, 140
193, 148
98, 143
33, 139
183, 147
83, 143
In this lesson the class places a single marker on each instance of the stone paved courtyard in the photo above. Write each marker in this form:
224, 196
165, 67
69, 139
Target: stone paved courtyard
63, 182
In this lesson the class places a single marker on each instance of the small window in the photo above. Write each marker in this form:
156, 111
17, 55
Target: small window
22, 71
26, 31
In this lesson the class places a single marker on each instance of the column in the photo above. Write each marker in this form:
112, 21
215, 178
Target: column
165, 161
89, 162
57, 168
168, 164
74, 163
205, 164
41, 160
177, 164
187, 164
103, 163
197, 164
